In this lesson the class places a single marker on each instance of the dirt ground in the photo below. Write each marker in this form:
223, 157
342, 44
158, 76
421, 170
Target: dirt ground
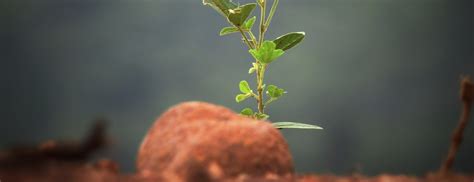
247, 150
106, 170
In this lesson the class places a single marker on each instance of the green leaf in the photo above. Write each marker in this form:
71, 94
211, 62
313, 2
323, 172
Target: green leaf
276, 53
282, 125
251, 70
228, 30
237, 16
266, 53
247, 26
289, 40
244, 87
246, 112
242, 97
261, 116
221, 6
275, 92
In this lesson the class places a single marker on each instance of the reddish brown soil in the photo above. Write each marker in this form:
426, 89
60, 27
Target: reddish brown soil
197, 140
192, 141
88, 172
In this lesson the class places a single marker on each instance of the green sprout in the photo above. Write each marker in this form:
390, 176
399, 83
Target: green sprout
263, 51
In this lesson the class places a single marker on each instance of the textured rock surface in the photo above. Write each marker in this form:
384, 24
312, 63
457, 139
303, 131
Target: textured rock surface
201, 141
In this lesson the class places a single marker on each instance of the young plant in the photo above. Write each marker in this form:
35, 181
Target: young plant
263, 51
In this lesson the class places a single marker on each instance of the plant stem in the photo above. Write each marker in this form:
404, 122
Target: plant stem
269, 101
262, 23
245, 38
253, 38
261, 75
272, 12
260, 72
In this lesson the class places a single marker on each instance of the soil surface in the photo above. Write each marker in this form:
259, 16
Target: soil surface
106, 171
193, 141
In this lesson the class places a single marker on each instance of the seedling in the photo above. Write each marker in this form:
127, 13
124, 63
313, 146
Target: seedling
263, 51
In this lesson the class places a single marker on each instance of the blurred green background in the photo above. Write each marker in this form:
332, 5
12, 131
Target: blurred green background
381, 76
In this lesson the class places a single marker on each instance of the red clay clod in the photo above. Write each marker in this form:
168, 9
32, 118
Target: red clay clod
201, 141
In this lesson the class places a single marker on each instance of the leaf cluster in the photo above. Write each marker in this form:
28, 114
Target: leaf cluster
263, 51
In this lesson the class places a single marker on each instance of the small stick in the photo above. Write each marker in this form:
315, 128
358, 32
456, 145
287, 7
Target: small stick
467, 95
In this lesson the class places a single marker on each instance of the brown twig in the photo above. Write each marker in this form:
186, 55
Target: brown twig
467, 94
60, 151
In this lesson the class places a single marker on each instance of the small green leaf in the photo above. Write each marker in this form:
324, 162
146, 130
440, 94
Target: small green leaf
266, 53
251, 70
249, 23
289, 40
261, 116
282, 125
228, 30
254, 52
242, 97
244, 87
276, 53
237, 16
275, 92
246, 112
221, 6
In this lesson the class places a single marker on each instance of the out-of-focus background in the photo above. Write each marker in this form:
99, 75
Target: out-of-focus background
381, 76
